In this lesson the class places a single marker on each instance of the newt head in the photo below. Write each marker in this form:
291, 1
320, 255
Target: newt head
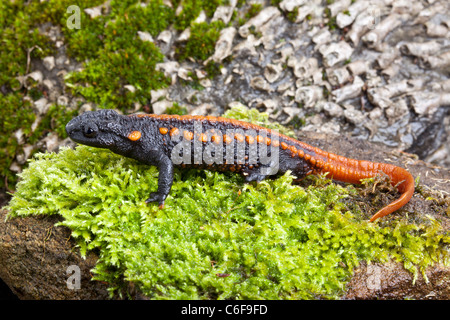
95, 128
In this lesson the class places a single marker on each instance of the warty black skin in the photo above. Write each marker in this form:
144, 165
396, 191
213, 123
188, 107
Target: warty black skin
110, 130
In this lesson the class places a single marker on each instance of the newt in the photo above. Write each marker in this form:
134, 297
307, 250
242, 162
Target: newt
221, 144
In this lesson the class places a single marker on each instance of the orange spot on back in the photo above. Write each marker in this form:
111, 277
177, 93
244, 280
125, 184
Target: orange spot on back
239, 137
188, 135
174, 132
249, 139
216, 139
163, 130
259, 139
227, 139
203, 137
284, 146
134, 136
319, 163
301, 153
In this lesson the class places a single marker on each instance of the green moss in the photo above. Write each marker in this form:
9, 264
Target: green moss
297, 122
332, 25
216, 238
241, 112
119, 57
19, 34
15, 116
275, 2
212, 69
201, 43
253, 10
191, 10
292, 16
240, 3
176, 108
20, 39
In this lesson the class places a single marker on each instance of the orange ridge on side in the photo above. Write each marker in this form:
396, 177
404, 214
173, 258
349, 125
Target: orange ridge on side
352, 171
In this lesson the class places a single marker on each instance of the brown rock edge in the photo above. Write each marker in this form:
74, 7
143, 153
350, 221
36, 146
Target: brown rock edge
35, 261
36, 257
392, 281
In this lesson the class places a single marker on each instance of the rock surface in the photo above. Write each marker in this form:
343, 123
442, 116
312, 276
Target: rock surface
391, 281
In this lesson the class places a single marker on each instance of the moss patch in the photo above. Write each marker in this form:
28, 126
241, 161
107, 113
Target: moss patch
118, 57
216, 238
21, 42
202, 41
118, 67
241, 112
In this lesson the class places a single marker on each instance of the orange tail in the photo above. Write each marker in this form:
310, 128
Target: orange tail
352, 171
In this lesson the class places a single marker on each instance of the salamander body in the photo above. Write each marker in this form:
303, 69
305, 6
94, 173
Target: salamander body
221, 144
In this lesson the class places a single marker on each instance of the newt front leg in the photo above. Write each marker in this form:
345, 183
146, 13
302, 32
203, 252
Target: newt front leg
165, 179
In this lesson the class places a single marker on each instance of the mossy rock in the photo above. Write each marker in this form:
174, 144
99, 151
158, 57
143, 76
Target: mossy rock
218, 238
109, 50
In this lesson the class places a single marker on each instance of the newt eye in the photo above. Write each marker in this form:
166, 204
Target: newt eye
90, 130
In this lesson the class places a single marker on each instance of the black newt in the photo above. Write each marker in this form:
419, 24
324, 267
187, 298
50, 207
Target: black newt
221, 144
